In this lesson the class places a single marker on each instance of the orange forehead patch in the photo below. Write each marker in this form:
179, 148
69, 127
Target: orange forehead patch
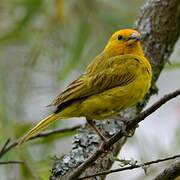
125, 33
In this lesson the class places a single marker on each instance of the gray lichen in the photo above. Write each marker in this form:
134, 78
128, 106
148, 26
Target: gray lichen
84, 144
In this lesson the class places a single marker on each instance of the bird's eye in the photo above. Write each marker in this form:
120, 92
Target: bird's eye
120, 37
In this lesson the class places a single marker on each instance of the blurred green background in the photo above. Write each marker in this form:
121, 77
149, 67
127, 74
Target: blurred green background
43, 46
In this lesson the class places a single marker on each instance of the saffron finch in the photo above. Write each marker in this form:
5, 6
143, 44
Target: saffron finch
117, 78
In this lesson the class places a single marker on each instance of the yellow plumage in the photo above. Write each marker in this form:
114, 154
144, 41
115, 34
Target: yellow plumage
117, 78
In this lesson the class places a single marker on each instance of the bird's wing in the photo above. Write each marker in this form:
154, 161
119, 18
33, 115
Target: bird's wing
120, 71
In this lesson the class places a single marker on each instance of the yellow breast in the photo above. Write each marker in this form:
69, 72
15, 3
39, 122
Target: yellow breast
111, 101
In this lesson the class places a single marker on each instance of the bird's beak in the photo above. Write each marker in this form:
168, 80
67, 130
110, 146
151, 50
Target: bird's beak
133, 38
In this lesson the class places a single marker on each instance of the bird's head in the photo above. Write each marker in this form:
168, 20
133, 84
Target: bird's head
125, 41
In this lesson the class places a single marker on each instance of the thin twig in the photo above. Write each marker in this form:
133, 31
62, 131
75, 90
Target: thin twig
134, 166
11, 162
130, 125
154, 107
7, 147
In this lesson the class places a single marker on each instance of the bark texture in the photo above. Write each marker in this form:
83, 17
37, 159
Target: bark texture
159, 24
169, 173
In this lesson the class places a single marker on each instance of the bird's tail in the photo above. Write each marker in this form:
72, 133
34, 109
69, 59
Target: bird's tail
39, 127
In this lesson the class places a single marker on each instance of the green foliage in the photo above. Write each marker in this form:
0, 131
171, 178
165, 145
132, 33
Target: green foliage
76, 47
30, 9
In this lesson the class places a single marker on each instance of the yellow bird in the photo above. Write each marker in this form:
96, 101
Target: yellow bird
119, 77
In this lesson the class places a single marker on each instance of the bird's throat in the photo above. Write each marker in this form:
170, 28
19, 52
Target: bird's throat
135, 49
115, 50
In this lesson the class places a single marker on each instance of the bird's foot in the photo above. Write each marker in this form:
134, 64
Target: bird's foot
130, 132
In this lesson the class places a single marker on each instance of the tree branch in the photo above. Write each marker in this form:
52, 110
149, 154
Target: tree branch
170, 173
134, 166
130, 125
159, 25
7, 147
